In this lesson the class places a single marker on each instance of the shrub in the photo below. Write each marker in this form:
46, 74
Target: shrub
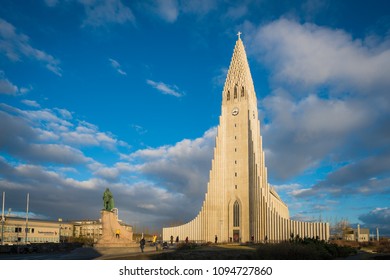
187, 246
383, 246
303, 249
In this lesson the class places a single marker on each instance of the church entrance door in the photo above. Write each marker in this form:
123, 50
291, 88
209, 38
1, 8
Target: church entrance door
236, 236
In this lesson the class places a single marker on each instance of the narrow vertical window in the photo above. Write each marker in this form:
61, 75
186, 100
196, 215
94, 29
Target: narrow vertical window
235, 91
228, 95
242, 91
236, 214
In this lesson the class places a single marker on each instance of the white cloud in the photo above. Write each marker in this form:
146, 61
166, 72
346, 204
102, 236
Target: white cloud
167, 10
16, 45
80, 139
7, 87
311, 55
115, 64
378, 217
301, 134
64, 113
200, 7
182, 168
51, 3
236, 12
46, 135
165, 89
139, 129
31, 103
102, 12
329, 101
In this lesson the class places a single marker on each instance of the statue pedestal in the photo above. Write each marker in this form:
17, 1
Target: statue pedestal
110, 228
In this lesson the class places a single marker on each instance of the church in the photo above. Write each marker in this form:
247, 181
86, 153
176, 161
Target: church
240, 205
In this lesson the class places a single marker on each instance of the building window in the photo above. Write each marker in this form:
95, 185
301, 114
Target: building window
236, 214
235, 91
228, 95
242, 91
235, 174
235, 187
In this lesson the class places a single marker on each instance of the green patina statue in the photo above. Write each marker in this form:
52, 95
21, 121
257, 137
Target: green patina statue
108, 200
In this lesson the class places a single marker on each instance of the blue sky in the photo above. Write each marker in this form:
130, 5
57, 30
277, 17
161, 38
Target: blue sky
127, 95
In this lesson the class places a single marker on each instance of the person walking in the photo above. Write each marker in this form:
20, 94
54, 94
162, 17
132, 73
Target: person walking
142, 244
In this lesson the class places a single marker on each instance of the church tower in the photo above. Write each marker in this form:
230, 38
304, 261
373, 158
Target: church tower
239, 205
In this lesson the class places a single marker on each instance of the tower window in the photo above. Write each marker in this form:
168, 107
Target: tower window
242, 91
235, 187
235, 174
235, 91
228, 95
236, 214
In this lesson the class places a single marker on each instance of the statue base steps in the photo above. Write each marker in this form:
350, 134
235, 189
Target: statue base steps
110, 227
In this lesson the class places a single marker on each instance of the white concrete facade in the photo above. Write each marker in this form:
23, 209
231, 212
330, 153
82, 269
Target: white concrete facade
240, 205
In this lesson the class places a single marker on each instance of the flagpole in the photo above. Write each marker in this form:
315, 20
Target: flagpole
2, 221
28, 200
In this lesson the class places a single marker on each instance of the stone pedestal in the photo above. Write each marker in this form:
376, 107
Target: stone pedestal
110, 228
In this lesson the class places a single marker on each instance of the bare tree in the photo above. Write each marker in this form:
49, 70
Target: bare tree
339, 228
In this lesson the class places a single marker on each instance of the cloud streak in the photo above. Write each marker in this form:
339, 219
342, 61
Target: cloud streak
7, 87
17, 45
165, 89
102, 12
115, 64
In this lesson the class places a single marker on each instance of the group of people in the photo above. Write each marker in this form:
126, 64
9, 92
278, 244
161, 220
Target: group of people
143, 242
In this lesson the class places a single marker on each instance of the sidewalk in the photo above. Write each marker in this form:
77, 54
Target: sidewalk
88, 253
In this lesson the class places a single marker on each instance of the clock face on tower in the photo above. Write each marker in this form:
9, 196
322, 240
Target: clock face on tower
235, 111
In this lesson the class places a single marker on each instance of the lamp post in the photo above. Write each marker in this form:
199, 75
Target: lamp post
2, 221
28, 199
59, 230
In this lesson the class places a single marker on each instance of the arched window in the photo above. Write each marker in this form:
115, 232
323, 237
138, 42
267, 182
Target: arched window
228, 96
235, 91
236, 214
242, 92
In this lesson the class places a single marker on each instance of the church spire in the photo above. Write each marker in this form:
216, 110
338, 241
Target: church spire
239, 75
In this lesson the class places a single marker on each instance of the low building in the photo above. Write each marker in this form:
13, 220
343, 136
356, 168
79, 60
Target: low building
16, 231
358, 234
46, 231
89, 229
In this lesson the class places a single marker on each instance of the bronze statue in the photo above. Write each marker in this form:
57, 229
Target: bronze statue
108, 200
